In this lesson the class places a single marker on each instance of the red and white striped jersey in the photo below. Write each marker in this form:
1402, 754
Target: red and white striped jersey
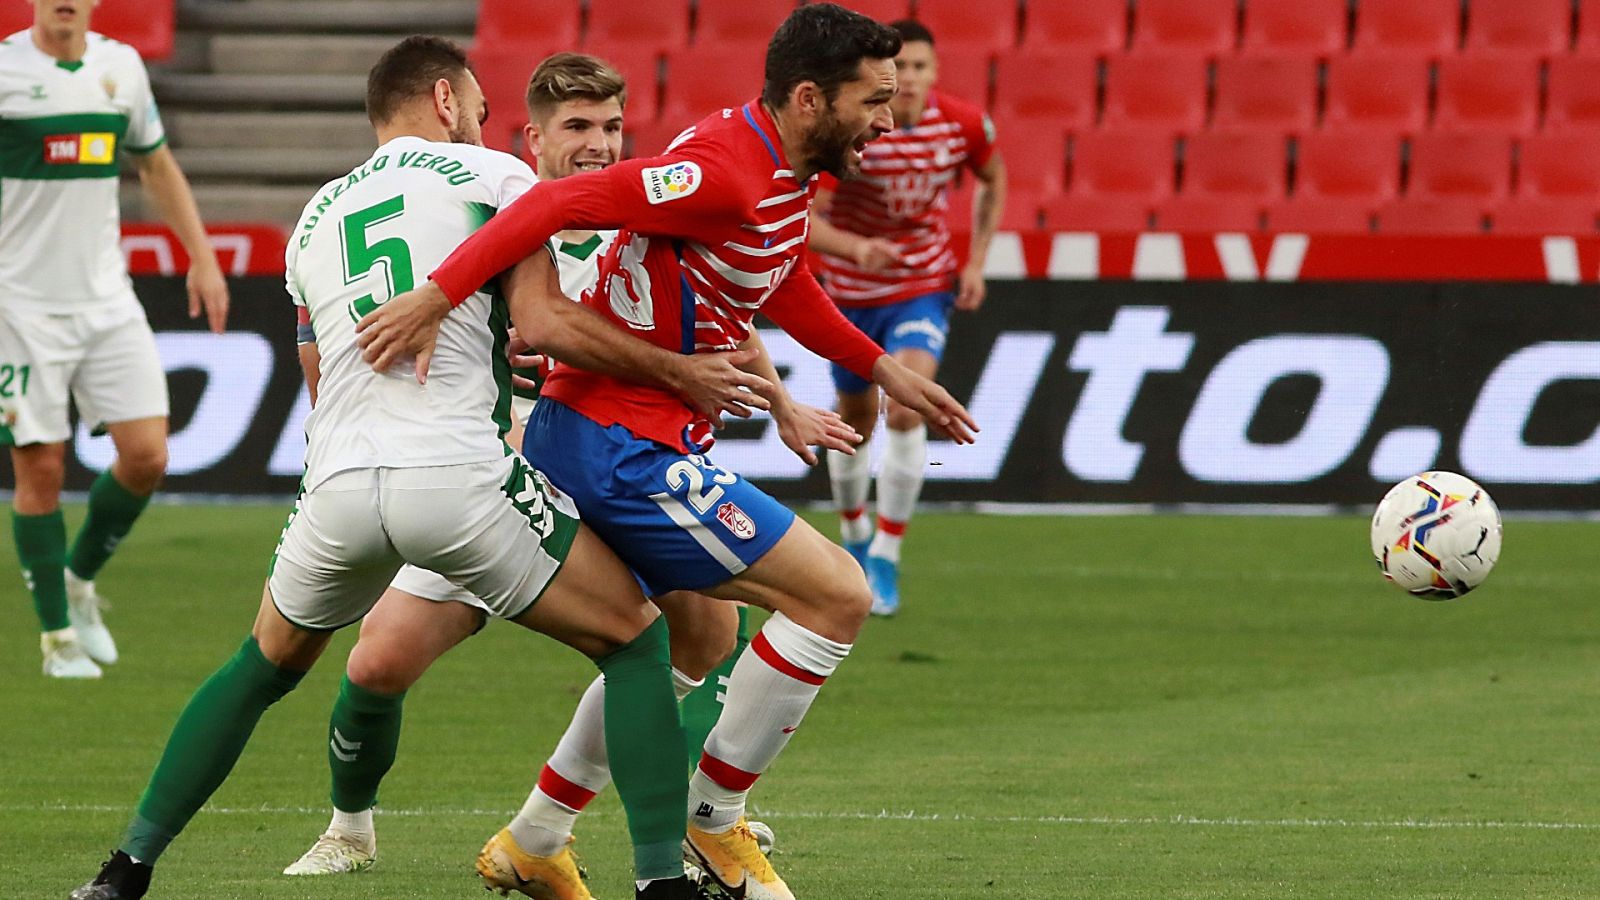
710, 232
901, 195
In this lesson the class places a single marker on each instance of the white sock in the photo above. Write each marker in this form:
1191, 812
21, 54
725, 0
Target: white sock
577, 770
773, 684
851, 478
905, 460
357, 825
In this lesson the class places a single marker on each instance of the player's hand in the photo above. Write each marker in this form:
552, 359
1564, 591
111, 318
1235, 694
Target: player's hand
875, 254
406, 326
519, 353
714, 384
208, 291
971, 289
928, 399
802, 427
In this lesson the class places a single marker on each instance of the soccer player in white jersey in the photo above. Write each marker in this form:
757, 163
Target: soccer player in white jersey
888, 263
71, 329
402, 471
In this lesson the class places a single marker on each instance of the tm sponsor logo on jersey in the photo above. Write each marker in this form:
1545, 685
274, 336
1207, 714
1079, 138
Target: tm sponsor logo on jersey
674, 182
735, 520
90, 148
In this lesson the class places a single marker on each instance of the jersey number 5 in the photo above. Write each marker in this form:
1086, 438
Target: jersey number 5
360, 257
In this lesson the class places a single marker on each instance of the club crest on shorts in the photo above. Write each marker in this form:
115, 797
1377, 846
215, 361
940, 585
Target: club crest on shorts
674, 182
735, 520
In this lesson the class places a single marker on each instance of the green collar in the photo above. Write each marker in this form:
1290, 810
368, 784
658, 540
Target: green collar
584, 250
71, 65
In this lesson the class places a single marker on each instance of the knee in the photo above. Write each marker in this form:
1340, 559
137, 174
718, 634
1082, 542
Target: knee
699, 656
852, 598
903, 418
380, 668
141, 468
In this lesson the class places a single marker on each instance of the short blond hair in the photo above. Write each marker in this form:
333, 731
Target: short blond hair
573, 76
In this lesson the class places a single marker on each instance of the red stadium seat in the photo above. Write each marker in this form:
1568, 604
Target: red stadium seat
1208, 213
1035, 157
1320, 215
1135, 164
1430, 215
1574, 93
963, 23
731, 23
965, 72
1156, 92
1237, 164
1469, 166
1380, 92
1050, 86
1206, 27
703, 79
1565, 165
1348, 166
1423, 27
1489, 92
1311, 27
882, 10
1271, 93
147, 27
503, 73
1588, 37
520, 24
614, 23
641, 68
651, 138
1095, 212
1539, 27
1546, 215
1021, 212
1088, 26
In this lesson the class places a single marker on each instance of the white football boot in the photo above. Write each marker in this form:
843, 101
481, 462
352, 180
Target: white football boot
334, 854
64, 656
83, 611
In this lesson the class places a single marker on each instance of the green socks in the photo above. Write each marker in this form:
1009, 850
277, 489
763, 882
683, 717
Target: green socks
112, 511
42, 551
210, 734
645, 745
363, 735
703, 707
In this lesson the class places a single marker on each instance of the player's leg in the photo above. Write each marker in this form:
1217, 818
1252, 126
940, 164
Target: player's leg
707, 638
121, 386
116, 499
850, 474
400, 638
916, 339
333, 562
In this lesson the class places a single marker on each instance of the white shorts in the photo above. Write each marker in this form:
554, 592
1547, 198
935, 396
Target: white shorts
497, 529
104, 360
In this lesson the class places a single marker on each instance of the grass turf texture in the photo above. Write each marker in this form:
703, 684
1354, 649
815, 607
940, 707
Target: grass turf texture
1067, 707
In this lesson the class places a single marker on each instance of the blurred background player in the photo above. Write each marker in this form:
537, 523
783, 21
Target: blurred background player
71, 329
899, 285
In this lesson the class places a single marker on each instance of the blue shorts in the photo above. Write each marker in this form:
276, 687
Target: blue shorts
678, 520
920, 323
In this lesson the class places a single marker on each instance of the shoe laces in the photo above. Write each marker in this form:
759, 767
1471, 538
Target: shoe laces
749, 854
332, 846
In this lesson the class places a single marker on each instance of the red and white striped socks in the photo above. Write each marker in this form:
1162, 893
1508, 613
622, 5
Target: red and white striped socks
772, 686
905, 460
851, 479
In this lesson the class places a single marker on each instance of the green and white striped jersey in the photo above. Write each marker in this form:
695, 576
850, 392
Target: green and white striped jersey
367, 237
62, 127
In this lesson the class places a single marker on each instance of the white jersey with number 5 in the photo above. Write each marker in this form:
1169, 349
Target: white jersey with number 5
367, 237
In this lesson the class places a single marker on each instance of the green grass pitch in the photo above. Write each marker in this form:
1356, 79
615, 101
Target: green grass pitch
1119, 707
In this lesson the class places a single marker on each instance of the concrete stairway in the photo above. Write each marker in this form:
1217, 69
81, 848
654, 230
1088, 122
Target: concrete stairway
263, 100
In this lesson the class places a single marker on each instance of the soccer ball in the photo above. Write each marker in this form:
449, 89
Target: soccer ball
1436, 535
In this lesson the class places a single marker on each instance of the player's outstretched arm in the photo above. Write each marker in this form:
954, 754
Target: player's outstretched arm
164, 182
800, 426
940, 410
406, 326
870, 253
712, 383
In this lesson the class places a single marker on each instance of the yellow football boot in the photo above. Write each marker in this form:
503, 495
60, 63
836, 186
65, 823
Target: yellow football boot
733, 861
506, 868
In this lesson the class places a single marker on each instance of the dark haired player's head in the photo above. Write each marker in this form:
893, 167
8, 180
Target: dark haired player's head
916, 70
831, 72
424, 86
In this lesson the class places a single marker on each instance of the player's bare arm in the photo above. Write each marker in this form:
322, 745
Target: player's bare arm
800, 425
988, 202
941, 411
167, 186
713, 383
871, 253
310, 367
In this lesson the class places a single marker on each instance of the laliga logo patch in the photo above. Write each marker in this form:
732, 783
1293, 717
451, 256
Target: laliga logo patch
736, 521
673, 182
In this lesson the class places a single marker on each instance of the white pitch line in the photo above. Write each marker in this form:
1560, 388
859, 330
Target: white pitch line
905, 816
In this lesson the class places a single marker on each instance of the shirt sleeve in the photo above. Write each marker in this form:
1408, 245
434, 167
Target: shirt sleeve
800, 307
979, 130
145, 131
678, 194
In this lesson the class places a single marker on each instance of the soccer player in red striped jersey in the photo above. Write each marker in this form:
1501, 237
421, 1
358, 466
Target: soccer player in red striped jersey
712, 231
899, 285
